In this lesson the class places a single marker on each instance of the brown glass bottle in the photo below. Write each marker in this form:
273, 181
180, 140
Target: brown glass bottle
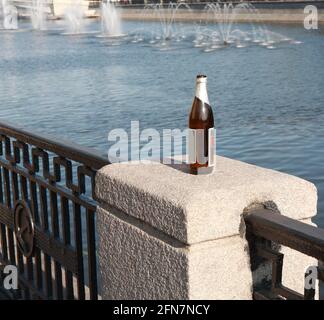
201, 120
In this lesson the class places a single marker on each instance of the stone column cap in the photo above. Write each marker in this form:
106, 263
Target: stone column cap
192, 208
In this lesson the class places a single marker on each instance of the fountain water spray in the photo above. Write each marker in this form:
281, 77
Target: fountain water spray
229, 33
168, 29
74, 14
110, 20
224, 25
38, 15
10, 16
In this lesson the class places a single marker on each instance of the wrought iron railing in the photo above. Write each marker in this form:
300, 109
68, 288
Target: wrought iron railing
266, 230
47, 222
47, 215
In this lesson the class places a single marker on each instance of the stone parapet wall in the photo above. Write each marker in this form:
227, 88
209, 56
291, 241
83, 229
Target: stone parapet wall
165, 234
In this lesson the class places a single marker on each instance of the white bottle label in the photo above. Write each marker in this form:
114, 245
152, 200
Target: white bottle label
196, 146
211, 147
191, 146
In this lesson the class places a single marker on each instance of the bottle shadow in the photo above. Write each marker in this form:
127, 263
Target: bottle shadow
182, 167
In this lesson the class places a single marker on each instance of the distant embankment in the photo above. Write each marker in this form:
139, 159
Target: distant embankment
268, 12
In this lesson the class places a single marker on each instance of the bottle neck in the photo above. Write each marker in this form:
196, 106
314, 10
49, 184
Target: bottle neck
201, 91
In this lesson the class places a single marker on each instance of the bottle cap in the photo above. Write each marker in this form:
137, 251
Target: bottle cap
201, 78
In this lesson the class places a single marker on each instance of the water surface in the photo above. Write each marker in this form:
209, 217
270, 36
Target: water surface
268, 104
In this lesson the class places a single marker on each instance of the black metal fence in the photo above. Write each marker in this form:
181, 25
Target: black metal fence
47, 215
266, 231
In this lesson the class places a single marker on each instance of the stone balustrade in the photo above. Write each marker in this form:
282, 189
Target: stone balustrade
166, 234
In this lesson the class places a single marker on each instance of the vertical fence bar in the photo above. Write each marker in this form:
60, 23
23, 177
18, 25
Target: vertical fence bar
38, 257
78, 244
11, 244
38, 269
29, 260
1, 185
7, 187
4, 245
3, 233
56, 234
66, 228
33, 201
92, 262
15, 193
45, 227
15, 187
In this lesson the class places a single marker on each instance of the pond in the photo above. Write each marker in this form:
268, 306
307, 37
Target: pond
267, 102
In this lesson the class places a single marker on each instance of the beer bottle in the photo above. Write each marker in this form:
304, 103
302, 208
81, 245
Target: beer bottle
201, 141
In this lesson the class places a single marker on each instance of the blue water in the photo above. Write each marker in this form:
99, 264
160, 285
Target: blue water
268, 104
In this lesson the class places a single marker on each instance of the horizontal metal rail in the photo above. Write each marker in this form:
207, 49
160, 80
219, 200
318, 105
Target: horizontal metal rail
59, 146
266, 229
297, 235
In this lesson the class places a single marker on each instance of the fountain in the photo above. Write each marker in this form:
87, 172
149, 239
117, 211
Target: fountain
224, 16
168, 30
10, 16
219, 29
166, 16
73, 15
38, 15
228, 33
110, 21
